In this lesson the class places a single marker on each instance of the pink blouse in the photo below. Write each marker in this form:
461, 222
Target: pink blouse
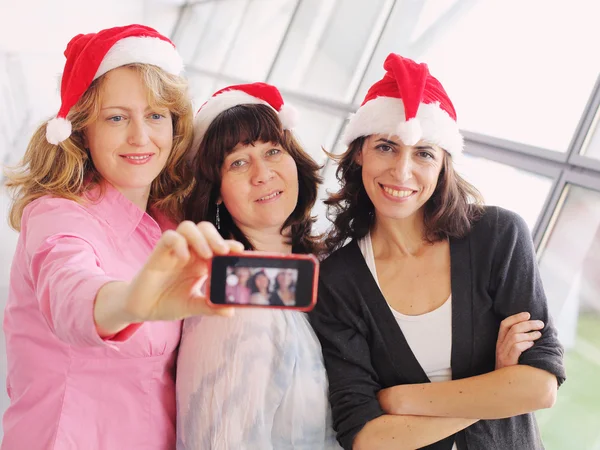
68, 388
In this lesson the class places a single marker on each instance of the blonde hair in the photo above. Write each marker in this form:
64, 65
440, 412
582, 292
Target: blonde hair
66, 170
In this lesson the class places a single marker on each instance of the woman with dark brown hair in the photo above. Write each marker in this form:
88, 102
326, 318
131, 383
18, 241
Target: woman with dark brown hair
259, 287
424, 315
284, 289
256, 380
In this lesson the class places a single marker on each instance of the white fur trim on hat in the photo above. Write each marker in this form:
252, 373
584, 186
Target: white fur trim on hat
410, 132
385, 115
57, 130
215, 106
288, 116
228, 99
142, 49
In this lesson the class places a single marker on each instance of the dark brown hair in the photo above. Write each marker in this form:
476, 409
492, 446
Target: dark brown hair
252, 282
248, 124
449, 213
277, 286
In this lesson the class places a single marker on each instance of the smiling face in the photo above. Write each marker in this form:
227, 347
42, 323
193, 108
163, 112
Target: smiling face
262, 282
285, 278
243, 274
399, 179
259, 185
130, 141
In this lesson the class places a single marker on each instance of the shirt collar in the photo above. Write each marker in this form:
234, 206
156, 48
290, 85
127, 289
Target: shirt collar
109, 205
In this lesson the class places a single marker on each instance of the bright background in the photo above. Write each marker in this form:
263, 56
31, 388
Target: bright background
522, 75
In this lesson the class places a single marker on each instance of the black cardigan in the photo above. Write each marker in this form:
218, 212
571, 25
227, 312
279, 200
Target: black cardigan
494, 274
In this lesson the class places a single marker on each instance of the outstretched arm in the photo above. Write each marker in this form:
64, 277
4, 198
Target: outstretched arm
166, 286
83, 304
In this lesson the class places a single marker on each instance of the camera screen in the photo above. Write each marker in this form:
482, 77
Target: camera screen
261, 286
252, 280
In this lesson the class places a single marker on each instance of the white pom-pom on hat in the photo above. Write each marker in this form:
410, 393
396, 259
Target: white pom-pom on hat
58, 130
288, 116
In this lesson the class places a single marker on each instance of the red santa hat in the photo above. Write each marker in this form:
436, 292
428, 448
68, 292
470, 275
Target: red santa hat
89, 56
242, 94
409, 103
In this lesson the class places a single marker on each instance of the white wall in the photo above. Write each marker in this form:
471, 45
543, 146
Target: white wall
37, 32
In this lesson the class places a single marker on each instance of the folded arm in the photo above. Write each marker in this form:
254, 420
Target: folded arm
406, 432
506, 392
515, 286
358, 418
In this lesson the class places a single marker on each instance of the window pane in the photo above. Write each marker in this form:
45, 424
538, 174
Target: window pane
508, 71
328, 45
189, 31
317, 129
591, 147
429, 13
506, 186
215, 35
569, 267
201, 88
258, 39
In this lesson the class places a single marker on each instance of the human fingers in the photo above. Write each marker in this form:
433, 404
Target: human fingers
509, 351
213, 238
198, 305
235, 246
507, 323
195, 239
517, 349
526, 327
170, 250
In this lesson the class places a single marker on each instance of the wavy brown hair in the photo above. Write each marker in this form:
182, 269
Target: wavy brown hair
247, 124
66, 170
450, 212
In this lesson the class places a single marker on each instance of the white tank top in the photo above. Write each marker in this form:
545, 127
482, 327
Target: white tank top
429, 335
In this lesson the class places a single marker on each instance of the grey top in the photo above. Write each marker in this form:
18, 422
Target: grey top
494, 274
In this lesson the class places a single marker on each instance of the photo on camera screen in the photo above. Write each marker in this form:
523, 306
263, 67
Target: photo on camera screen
264, 281
261, 286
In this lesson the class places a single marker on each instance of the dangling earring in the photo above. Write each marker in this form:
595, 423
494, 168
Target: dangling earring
218, 218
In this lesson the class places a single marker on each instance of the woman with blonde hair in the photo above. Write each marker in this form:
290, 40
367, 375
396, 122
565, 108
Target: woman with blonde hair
100, 276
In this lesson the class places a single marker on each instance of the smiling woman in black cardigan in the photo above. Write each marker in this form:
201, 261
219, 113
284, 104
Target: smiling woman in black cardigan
417, 313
